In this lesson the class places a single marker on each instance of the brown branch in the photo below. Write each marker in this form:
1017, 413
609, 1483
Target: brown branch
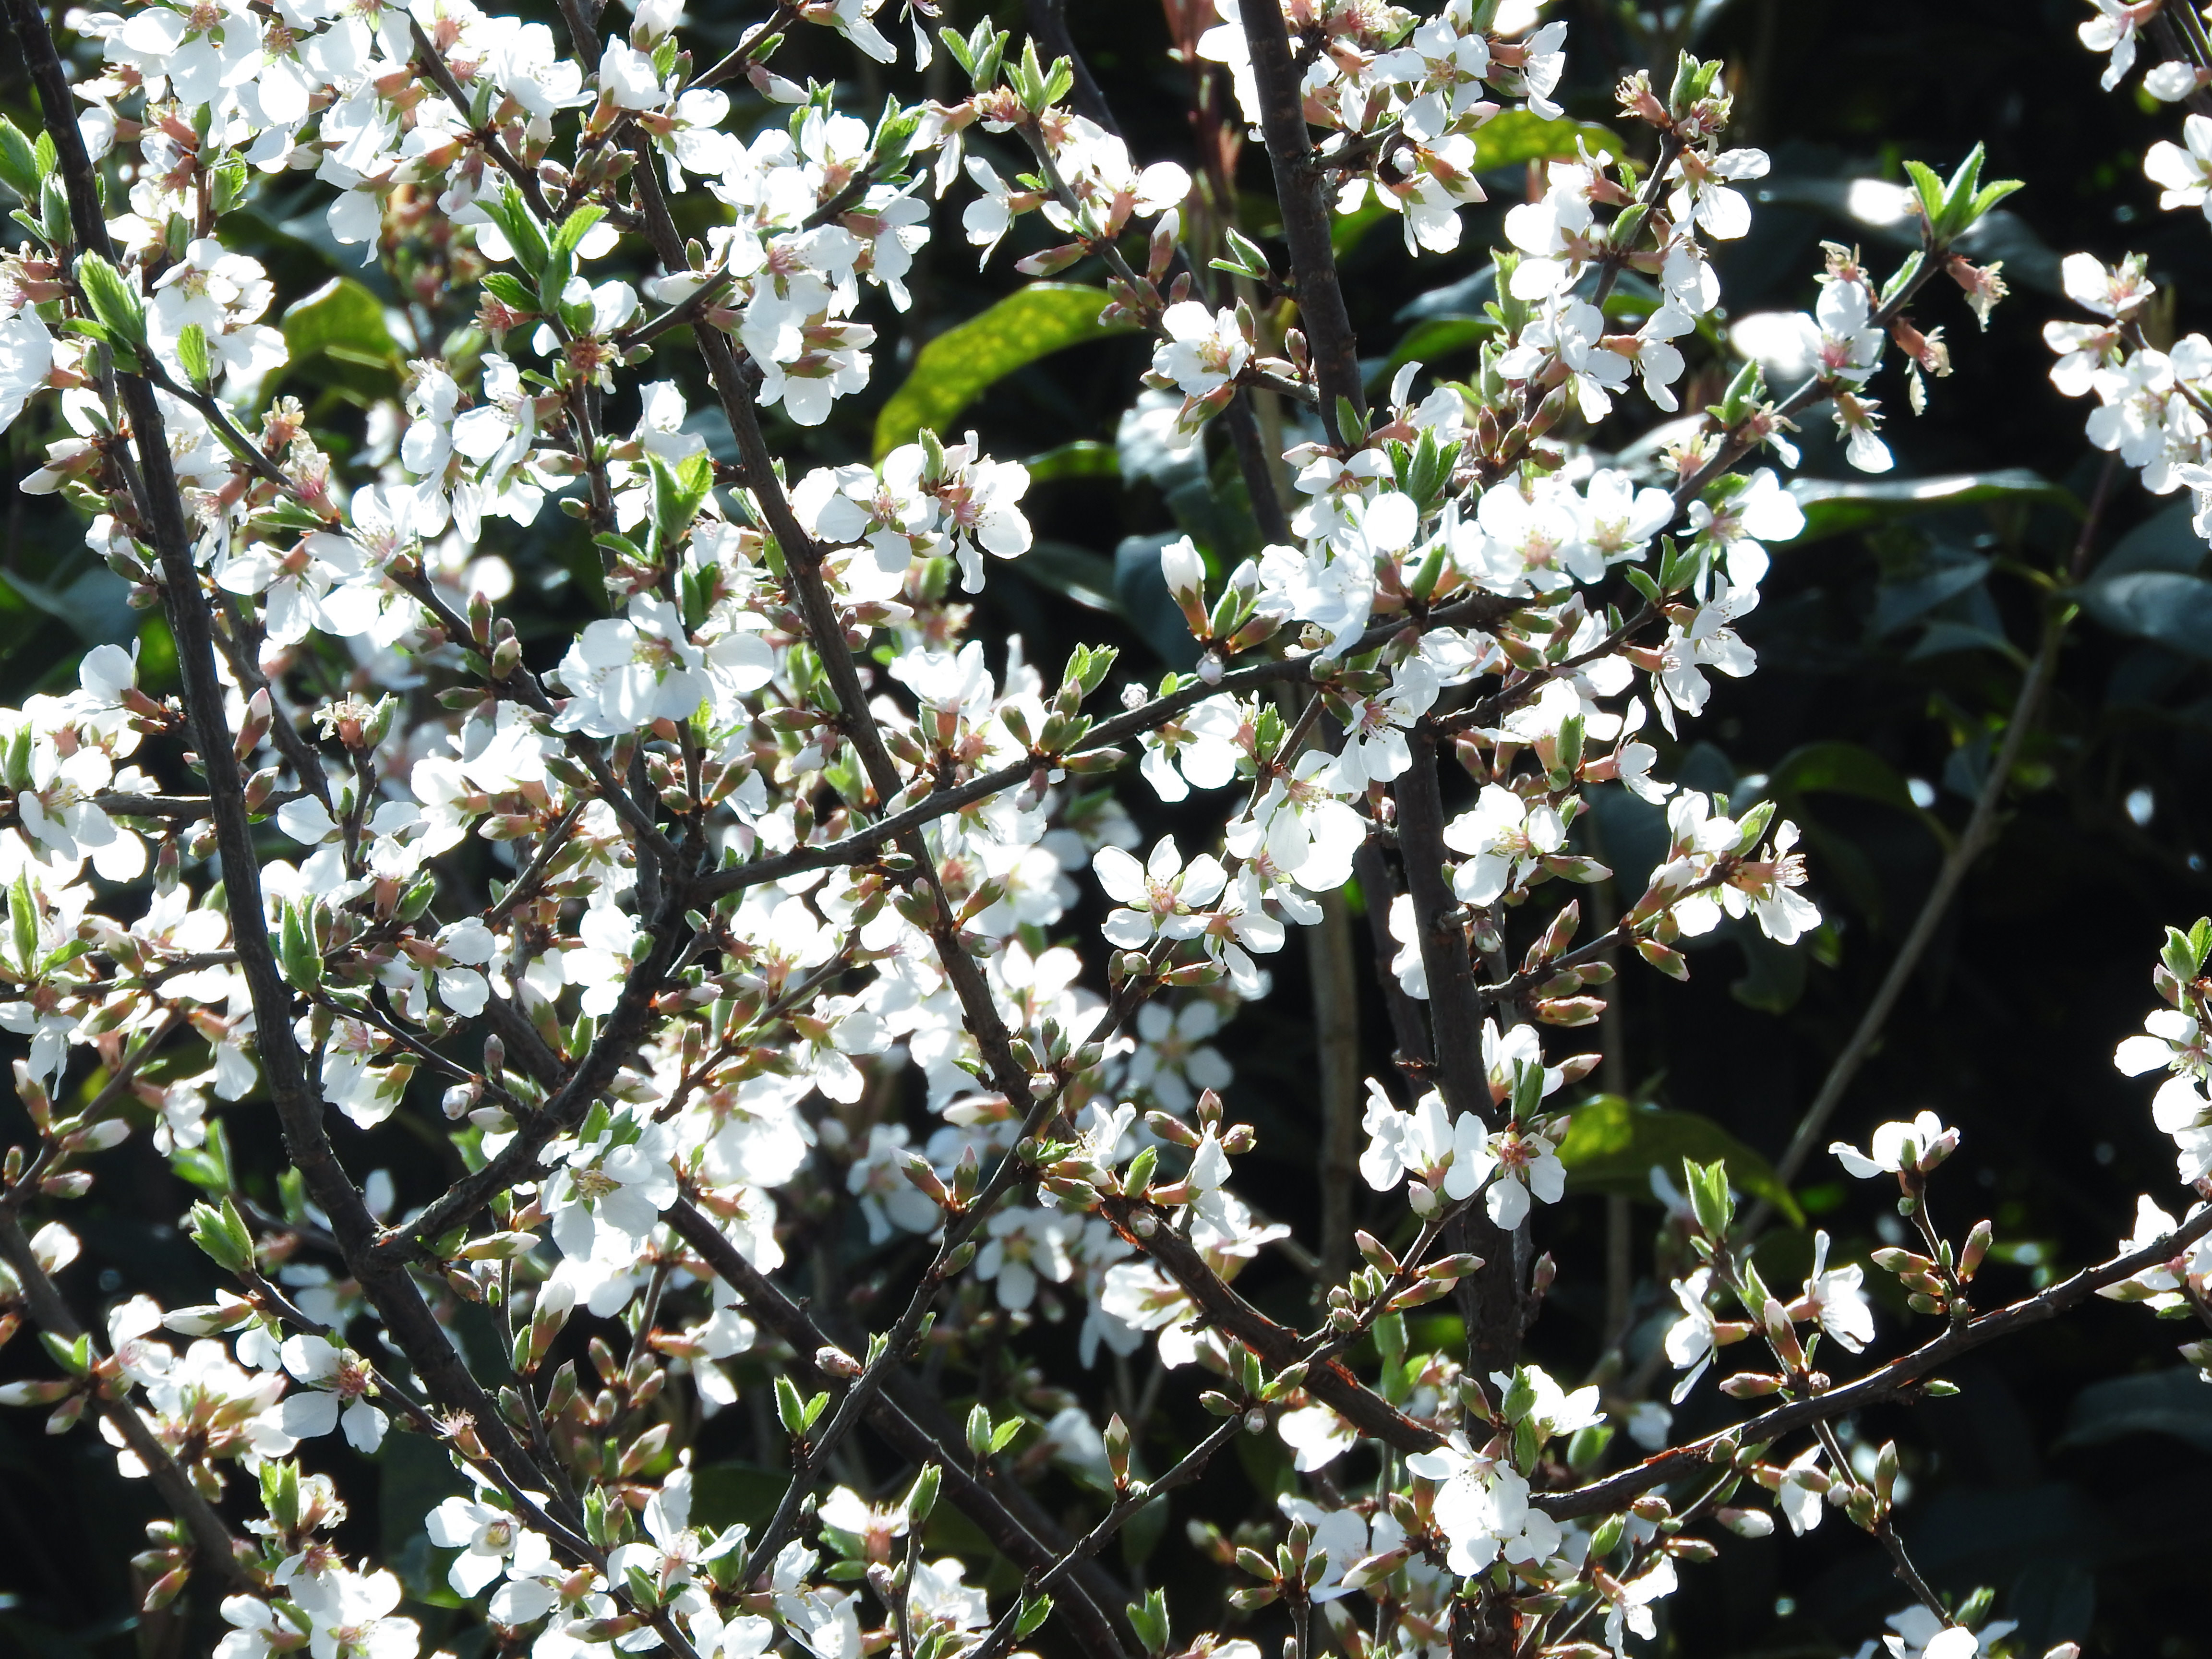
432, 62
626, 1028
1478, 610
741, 58
894, 1418
438, 1367
1152, 1230
1301, 189
1900, 1377
1139, 1496
1493, 1299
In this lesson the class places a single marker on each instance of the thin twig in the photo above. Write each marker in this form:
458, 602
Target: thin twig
1900, 1377
1973, 840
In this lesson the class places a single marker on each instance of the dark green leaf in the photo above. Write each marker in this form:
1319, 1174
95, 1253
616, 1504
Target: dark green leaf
730, 1494
2167, 540
1899, 603
1074, 573
1085, 458
1835, 507
2173, 610
1152, 609
1847, 768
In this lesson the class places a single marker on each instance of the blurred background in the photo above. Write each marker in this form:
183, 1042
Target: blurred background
2070, 1476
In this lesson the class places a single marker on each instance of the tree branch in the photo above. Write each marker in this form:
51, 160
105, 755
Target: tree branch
1301, 189
893, 1420
1899, 1376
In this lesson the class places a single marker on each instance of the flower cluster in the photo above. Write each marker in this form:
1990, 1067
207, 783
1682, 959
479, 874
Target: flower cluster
772, 902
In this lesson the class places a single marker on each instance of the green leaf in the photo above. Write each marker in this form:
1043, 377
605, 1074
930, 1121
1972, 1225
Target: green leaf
2147, 586
524, 233
1839, 768
2167, 540
1929, 188
677, 494
1947, 573
570, 236
1710, 1199
302, 958
342, 323
414, 1476
19, 162
193, 353
1144, 600
952, 370
23, 923
1613, 1146
1345, 230
1514, 137
510, 291
1835, 507
114, 300
1085, 458
1035, 1609
789, 1407
730, 1494
1073, 572
1431, 341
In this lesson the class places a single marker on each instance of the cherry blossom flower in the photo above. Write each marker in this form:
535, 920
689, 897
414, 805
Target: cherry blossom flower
492, 1543
1162, 895
1482, 1509
2186, 174
1522, 1164
1316, 1435
625, 672
1021, 1247
1917, 1146
1834, 1296
1690, 1339
1501, 835
1204, 350
1917, 1633
2113, 30
339, 1390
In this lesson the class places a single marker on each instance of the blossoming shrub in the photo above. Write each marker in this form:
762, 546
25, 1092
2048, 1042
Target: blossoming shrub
826, 1032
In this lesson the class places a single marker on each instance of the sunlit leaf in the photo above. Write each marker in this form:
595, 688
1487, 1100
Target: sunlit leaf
337, 338
1515, 135
1085, 458
343, 319
1613, 1144
954, 368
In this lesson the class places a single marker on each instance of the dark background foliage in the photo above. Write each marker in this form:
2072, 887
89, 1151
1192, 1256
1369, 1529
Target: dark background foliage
2078, 1497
